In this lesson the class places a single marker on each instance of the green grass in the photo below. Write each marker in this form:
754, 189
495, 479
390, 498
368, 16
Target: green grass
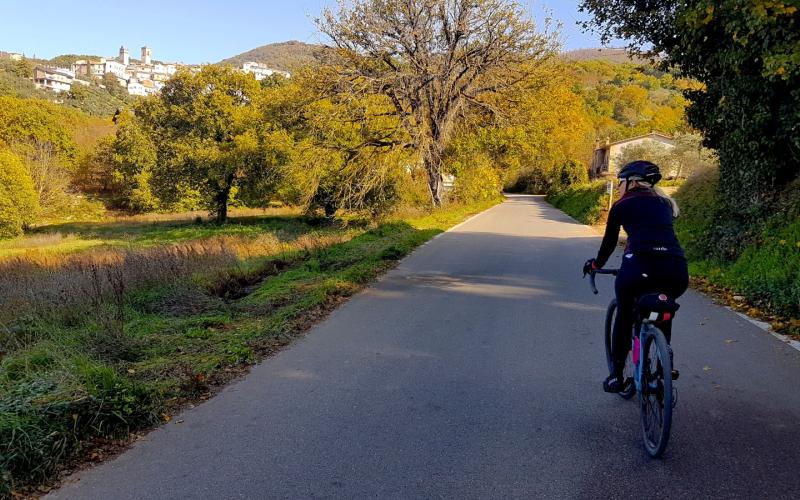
65, 238
766, 271
66, 382
583, 202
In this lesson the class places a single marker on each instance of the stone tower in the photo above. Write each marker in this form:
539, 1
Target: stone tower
146, 55
124, 57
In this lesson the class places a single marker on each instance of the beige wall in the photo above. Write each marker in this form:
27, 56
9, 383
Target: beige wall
616, 149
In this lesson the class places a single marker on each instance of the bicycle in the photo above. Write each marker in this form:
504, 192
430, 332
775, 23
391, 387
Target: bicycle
650, 346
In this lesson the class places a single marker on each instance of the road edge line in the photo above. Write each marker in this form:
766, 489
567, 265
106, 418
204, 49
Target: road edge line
763, 325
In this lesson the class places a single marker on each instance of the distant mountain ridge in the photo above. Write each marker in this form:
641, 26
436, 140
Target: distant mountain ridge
284, 56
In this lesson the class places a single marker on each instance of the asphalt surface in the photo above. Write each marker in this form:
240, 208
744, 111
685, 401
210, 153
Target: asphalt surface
474, 370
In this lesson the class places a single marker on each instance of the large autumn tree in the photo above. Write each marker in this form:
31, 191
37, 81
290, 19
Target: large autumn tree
432, 59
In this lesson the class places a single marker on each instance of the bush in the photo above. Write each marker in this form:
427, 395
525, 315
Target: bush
700, 212
584, 202
570, 173
18, 199
477, 181
767, 271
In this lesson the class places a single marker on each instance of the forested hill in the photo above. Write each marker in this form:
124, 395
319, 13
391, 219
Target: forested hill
615, 55
283, 56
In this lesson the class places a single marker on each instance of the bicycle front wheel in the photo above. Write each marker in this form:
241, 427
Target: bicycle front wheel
628, 371
656, 392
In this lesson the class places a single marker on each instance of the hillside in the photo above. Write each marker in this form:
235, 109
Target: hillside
609, 54
283, 56
16, 81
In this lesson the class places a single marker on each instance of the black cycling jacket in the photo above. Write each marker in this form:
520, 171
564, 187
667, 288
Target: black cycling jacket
647, 218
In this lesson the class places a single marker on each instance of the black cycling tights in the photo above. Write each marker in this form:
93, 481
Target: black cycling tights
640, 274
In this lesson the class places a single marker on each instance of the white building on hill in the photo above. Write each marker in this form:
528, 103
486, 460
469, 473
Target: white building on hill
260, 71
145, 76
136, 88
117, 68
55, 79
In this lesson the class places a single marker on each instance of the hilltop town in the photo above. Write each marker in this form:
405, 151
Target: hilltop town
140, 77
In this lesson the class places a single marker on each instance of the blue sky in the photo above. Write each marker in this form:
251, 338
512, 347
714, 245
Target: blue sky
190, 31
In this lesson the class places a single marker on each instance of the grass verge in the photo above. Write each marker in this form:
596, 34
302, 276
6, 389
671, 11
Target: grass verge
584, 202
128, 357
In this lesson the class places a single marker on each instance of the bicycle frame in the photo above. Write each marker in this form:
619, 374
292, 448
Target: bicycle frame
652, 383
637, 353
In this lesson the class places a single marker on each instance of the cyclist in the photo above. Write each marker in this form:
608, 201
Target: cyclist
653, 260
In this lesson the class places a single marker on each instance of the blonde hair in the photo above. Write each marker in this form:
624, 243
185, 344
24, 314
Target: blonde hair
676, 211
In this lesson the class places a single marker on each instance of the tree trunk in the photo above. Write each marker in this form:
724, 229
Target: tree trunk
433, 166
435, 186
221, 208
221, 203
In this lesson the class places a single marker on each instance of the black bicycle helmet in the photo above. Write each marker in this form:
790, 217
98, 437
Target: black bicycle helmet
640, 170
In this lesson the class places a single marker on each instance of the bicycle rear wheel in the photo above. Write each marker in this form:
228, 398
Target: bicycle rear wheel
627, 373
656, 395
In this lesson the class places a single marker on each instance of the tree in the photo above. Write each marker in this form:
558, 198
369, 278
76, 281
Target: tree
23, 68
531, 135
432, 59
113, 87
747, 57
133, 157
36, 131
209, 136
27, 122
347, 149
18, 200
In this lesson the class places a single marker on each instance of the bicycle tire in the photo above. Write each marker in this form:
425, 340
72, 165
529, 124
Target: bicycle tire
628, 371
656, 397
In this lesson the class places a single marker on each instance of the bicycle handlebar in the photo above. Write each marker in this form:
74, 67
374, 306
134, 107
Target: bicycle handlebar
600, 271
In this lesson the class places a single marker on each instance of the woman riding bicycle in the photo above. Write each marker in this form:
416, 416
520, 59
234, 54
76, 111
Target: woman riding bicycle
653, 260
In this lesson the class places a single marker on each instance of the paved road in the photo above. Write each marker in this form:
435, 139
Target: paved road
472, 371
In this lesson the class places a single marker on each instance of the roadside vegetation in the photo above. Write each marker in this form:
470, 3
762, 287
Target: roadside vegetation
741, 200
101, 343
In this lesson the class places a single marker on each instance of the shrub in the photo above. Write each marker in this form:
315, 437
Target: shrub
584, 202
700, 211
18, 199
477, 181
570, 173
766, 271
